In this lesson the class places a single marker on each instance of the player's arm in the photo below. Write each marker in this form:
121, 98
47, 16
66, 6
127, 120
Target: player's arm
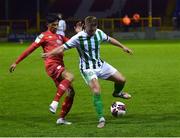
71, 43
118, 44
27, 52
54, 52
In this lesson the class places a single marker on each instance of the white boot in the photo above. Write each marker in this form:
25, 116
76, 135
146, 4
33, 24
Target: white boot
62, 121
53, 107
101, 123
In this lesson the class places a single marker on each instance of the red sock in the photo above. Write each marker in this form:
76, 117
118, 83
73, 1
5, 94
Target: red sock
66, 106
63, 85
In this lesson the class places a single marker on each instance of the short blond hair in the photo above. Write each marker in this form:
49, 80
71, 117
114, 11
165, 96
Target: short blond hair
91, 20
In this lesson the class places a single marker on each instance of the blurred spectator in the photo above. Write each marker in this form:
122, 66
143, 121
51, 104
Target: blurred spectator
176, 21
61, 26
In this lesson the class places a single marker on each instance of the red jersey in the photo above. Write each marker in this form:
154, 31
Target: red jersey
48, 41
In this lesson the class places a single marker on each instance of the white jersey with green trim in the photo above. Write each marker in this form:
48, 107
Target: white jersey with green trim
88, 48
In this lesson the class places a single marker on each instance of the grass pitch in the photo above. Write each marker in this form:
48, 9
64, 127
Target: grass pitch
153, 79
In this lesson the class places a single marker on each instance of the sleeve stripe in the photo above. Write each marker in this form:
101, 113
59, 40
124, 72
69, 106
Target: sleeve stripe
107, 38
100, 35
67, 46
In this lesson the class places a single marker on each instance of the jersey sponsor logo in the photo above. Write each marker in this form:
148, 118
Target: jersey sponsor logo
50, 36
58, 67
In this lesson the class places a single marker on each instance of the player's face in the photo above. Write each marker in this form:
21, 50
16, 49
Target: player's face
53, 26
90, 30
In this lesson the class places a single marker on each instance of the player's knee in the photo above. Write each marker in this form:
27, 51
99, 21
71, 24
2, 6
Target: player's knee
122, 80
69, 77
94, 85
96, 89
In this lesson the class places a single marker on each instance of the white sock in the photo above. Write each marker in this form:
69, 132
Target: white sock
102, 119
54, 103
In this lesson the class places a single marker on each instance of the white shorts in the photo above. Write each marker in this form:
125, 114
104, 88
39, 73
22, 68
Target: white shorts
104, 72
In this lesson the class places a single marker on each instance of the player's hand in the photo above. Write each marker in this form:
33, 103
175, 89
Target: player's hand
45, 55
127, 50
79, 26
12, 67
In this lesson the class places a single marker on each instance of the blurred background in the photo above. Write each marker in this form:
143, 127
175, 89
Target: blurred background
125, 19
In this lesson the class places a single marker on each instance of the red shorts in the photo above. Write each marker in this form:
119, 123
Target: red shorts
55, 70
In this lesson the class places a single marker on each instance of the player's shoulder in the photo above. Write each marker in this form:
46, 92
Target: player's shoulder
39, 38
99, 30
42, 34
46, 34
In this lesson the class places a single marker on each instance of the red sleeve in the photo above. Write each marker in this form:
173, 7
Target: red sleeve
39, 41
27, 52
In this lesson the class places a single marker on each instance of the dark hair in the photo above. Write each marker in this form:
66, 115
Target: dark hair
91, 20
51, 17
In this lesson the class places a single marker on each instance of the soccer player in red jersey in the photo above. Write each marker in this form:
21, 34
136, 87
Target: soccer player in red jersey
55, 68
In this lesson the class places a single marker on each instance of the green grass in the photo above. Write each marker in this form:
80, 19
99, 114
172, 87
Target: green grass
153, 79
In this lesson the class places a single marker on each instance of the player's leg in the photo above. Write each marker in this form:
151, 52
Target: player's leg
66, 79
92, 80
119, 82
97, 101
108, 72
54, 104
68, 101
66, 106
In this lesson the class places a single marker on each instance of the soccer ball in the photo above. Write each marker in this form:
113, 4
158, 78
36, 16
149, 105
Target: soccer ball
118, 109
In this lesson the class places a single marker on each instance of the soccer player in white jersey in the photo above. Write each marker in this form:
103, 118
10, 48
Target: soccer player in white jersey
61, 26
91, 66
